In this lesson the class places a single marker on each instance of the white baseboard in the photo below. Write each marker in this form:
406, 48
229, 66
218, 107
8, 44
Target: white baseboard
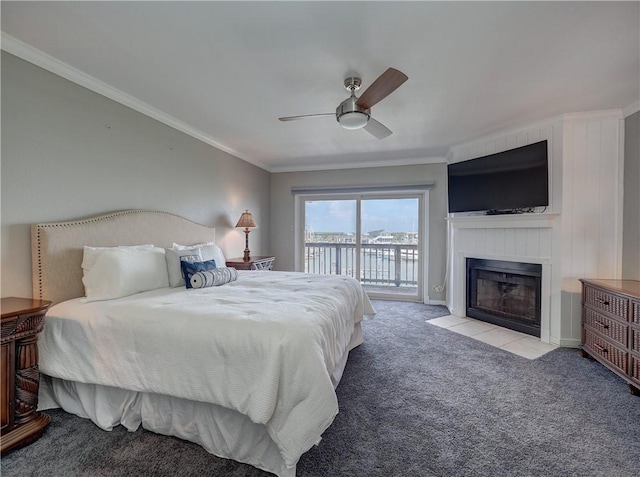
569, 343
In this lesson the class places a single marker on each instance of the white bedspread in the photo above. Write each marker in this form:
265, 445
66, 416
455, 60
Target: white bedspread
264, 346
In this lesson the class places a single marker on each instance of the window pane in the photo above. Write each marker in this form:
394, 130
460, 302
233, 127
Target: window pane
330, 237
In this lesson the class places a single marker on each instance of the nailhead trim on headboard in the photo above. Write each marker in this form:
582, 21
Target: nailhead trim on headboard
39, 265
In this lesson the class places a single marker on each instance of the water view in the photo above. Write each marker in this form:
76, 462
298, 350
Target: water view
384, 259
387, 260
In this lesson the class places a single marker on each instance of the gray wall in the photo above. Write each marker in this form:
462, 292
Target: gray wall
283, 213
631, 209
68, 152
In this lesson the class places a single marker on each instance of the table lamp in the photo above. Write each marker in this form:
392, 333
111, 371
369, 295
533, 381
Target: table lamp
247, 223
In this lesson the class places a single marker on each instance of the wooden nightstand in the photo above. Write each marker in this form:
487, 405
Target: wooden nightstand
256, 263
22, 320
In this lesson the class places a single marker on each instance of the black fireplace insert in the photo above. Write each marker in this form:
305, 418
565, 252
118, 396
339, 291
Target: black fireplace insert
505, 293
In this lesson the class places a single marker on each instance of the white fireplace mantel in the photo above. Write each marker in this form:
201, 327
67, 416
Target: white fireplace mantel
507, 221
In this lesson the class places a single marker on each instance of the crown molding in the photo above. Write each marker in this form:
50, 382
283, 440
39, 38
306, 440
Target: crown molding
359, 165
43, 60
591, 115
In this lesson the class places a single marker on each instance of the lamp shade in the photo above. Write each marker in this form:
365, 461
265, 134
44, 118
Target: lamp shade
246, 221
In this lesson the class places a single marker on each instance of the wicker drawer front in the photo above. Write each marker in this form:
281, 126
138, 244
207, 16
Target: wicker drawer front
635, 368
607, 326
635, 311
617, 358
605, 301
635, 340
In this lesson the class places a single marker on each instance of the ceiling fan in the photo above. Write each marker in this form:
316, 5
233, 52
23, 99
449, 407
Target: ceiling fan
354, 112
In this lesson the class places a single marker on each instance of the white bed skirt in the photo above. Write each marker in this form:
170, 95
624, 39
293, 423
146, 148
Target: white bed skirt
221, 431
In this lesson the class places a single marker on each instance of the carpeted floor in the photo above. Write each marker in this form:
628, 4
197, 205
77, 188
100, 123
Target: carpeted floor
415, 400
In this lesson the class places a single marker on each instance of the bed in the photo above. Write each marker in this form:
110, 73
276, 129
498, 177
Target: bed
247, 369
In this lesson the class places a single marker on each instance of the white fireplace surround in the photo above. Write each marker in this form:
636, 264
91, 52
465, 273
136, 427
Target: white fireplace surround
525, 238
578, 236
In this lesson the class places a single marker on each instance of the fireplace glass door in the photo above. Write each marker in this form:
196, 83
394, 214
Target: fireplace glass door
505, 293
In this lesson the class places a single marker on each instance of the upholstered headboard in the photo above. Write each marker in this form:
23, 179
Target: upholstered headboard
57, 248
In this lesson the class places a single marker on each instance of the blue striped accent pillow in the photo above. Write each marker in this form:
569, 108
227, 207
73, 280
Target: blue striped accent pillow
214, 278
189, 268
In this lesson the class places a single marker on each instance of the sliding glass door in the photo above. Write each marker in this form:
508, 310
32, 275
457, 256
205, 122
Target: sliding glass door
375, 239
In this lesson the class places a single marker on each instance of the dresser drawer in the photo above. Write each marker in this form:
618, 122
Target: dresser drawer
635, 368
635, 312
607, 326
605, 301
635, 340
615, 357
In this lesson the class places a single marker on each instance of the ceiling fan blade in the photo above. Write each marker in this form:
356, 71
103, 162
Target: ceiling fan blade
293, 118
386, 84
377, 129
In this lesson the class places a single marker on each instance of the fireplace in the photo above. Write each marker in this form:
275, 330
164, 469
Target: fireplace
505, 293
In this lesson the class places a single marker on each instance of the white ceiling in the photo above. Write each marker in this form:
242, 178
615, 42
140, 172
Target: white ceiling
225, 71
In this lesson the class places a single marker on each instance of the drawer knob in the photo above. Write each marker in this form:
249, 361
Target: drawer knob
602, 349
602, 301
599, 323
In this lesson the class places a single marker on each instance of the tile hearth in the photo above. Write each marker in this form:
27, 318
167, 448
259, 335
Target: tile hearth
517, 343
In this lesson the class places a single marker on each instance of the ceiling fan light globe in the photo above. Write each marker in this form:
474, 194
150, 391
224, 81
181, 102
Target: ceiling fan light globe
353, 120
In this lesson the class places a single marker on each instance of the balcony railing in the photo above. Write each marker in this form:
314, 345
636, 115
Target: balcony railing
380, 264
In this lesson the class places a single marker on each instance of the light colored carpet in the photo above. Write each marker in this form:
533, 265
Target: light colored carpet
415, 400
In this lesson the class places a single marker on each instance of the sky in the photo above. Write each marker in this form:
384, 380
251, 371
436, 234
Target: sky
392, 215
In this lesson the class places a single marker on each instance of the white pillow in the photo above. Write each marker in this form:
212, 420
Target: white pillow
92, 253
208, 250
114, 272
174, 257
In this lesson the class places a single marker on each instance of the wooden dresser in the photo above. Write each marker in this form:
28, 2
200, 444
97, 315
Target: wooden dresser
22, 320
611, 326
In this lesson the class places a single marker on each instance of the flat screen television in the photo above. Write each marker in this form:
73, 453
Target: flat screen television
511, 181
